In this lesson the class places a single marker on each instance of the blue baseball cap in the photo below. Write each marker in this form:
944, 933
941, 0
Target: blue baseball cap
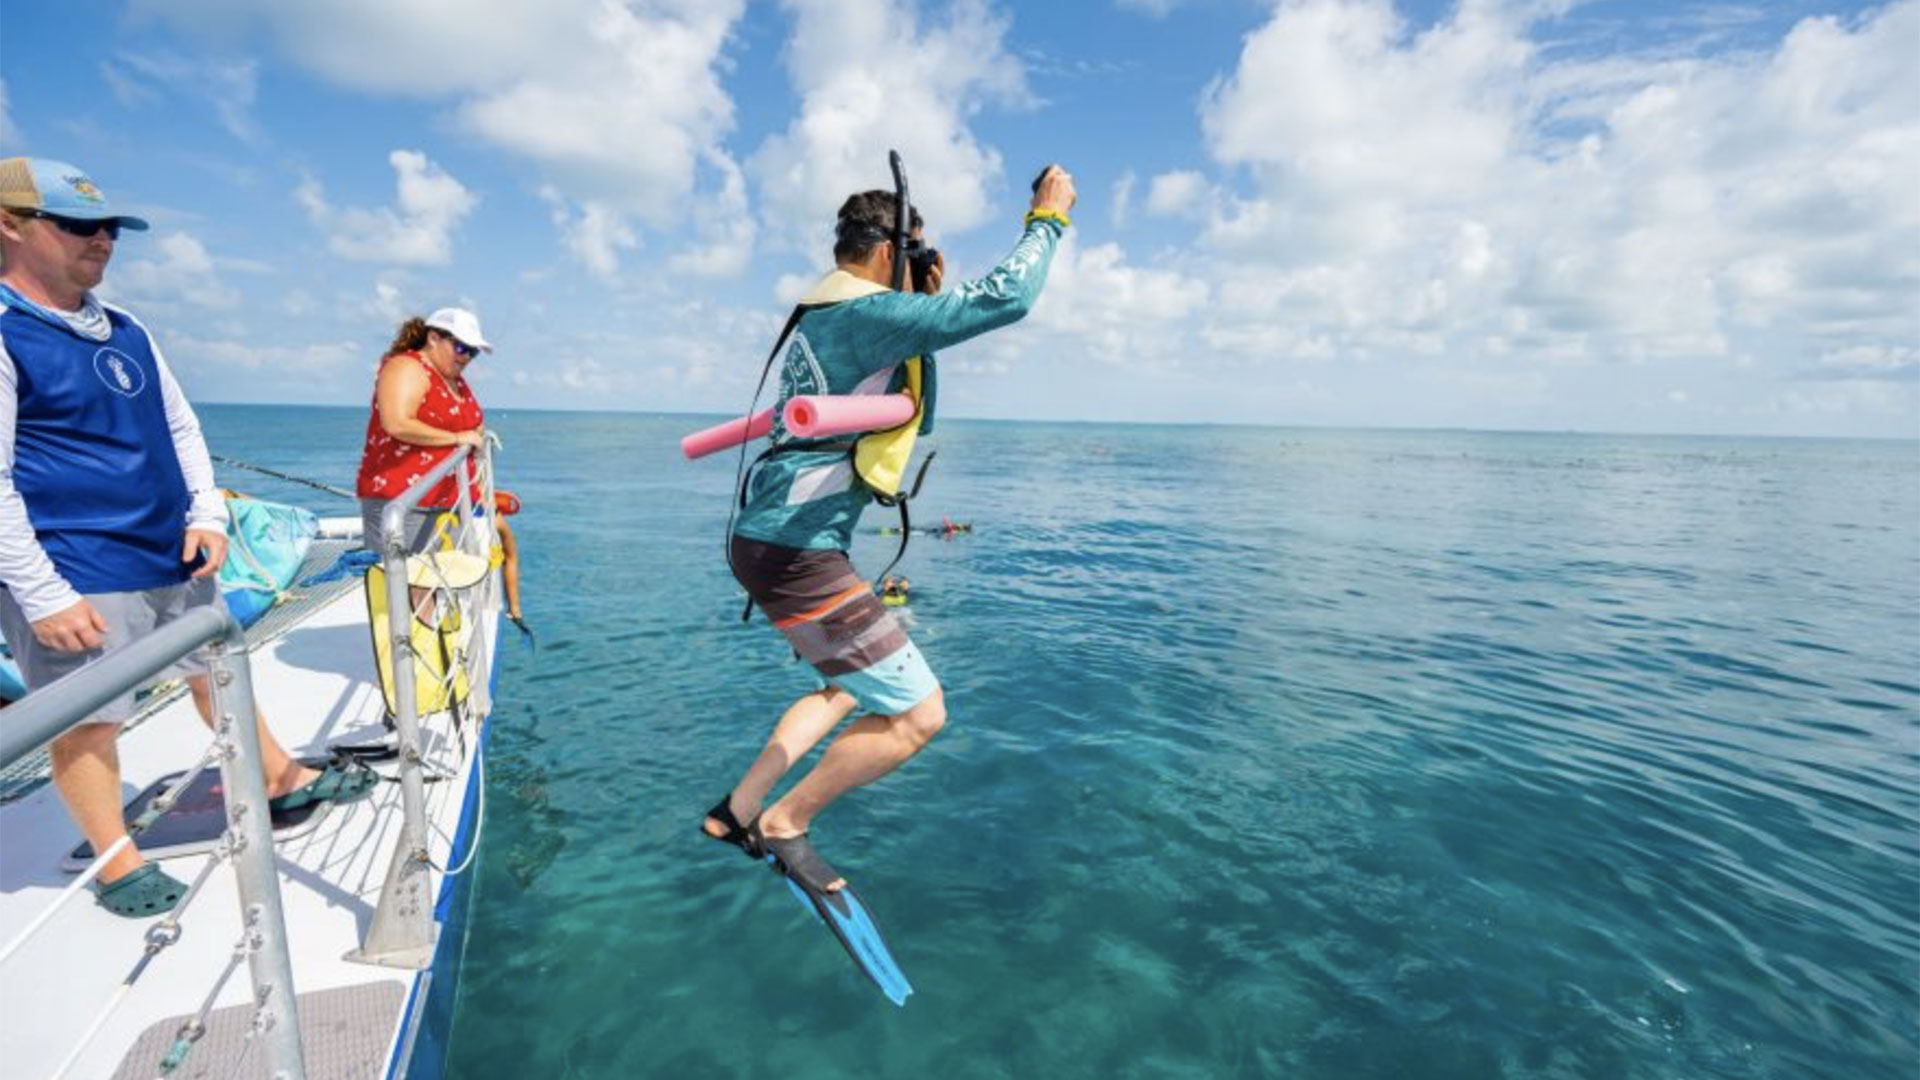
57, 188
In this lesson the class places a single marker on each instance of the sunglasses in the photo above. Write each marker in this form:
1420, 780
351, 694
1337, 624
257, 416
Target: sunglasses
75, 227
462, 349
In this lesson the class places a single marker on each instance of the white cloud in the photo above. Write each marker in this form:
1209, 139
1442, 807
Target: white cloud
295, 362
789, 288
1122, 199
184, 273
724, 233
9, 134
1118, 313
388, 302
1183, 193
421, 47
1873, 399
871, 78
1880, 363
625, 120
142, 80
696, 353
417, 230
596, 234
240, 367
1466, 186
617, 102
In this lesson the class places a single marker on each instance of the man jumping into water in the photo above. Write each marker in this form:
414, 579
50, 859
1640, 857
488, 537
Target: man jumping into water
789, 544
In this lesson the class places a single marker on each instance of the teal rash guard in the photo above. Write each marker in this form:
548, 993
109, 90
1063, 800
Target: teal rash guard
812, 499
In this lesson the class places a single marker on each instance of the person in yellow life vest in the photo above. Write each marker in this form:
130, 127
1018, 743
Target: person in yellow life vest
893, 591
855, 334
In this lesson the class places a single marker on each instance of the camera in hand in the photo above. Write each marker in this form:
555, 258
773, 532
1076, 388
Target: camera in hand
920, 261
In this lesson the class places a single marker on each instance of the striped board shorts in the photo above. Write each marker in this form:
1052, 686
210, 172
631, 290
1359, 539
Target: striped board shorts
835, 622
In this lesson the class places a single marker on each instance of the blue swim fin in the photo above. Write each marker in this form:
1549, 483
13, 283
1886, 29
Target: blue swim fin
848, 918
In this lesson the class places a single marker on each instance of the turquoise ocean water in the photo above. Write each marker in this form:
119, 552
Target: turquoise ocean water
1289, 753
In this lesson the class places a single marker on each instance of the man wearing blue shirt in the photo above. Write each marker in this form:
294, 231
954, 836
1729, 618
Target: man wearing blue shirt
110, 523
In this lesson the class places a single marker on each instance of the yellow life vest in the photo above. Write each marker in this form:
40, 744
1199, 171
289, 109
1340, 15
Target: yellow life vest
879, 457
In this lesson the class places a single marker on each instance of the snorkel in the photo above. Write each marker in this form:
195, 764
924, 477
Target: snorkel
899, 220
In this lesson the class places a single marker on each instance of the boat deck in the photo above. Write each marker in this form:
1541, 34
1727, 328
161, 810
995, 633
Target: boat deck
315, 682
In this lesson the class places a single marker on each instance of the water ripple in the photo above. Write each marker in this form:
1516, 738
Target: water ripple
1272, 753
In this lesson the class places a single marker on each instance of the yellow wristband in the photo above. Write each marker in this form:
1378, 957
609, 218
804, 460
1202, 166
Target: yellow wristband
1047, 214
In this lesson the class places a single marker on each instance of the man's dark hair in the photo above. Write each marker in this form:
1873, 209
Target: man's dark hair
866, 220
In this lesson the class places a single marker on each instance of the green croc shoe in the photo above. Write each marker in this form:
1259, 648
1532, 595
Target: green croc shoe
145, 892
339, 782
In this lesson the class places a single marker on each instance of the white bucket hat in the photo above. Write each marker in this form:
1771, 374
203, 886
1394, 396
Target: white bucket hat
462, 324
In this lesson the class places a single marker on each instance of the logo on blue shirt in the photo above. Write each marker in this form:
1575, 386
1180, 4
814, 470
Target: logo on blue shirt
120, 372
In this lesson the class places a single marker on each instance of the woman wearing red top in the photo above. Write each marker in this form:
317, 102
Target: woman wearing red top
422, 409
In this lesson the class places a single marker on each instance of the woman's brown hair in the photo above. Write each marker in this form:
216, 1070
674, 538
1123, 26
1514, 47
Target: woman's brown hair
411, 337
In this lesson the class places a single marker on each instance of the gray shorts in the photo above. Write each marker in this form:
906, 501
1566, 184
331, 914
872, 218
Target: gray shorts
129, 616
419, 527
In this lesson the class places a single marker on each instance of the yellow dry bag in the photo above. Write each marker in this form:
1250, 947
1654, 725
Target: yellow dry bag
440, 646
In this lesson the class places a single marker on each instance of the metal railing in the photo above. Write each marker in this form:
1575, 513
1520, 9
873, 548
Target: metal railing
402, 932
57, 707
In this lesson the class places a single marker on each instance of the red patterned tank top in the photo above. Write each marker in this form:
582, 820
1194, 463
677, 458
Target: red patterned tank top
389, 466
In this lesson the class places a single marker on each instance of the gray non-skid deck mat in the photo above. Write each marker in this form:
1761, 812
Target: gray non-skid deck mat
344, 1034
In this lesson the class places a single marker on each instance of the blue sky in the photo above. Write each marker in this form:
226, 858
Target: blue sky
1539, 214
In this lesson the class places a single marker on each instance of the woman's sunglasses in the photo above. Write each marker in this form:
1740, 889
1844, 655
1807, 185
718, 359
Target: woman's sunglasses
75, 227
462, 349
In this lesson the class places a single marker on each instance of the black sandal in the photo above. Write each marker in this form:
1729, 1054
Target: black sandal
738, 835
795, 857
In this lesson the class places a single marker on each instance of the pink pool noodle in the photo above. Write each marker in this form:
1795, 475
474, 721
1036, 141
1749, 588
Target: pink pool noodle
814, 415
731, 433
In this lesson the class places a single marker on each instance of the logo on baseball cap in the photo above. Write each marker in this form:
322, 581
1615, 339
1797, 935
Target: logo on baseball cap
57, 188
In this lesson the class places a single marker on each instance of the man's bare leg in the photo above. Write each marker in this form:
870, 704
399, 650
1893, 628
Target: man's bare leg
282, 773
870, 747
805, 723
86, 769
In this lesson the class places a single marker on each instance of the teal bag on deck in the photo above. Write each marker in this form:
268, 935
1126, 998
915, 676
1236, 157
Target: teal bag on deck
266, 543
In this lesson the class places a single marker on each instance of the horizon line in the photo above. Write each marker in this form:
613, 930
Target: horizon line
1437, 429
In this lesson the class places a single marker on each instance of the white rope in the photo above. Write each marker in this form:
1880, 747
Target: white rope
160, 936
466, 660
159, 806
479, 819
99, 1022
444, 596
66, 894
